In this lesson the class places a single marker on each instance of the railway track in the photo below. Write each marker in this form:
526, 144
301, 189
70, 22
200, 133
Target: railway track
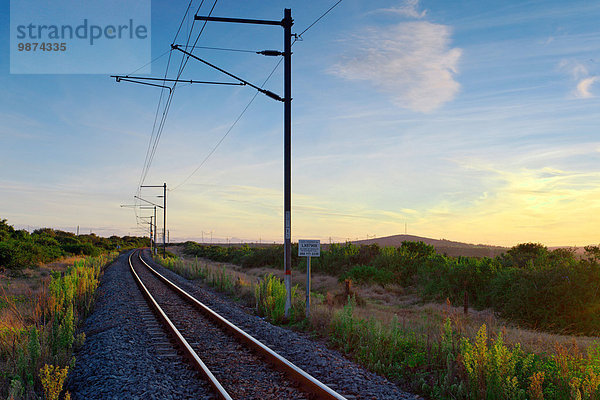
236, 365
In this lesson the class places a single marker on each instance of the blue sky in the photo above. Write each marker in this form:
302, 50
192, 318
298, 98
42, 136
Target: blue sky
474, 121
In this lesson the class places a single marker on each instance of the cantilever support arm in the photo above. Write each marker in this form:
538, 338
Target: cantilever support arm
245, 82
121, 78
147, 78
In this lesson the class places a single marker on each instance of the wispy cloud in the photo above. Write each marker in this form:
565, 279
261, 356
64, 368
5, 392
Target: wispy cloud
408, 9
582, 76
583, 87
411, 61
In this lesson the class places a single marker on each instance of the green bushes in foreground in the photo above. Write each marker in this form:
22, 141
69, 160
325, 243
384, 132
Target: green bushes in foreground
368, 274
270, 296
448, 366
551, 290
39, 349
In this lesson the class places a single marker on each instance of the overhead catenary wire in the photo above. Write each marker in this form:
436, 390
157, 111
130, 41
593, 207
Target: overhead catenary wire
170, 97
161, 94
318, 19
183, 19
154, 136
149, 62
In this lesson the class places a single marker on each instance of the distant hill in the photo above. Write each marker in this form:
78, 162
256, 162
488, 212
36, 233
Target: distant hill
442, 246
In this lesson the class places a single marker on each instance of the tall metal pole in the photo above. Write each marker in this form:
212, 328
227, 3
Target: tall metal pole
164, 219
307, 287
151, 234
287, 153
155, 229
286, 23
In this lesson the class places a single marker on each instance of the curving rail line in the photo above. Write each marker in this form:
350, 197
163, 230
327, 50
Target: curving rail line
308, 382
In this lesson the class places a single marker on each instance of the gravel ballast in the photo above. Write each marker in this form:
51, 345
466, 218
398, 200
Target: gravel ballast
119, 359
115, 363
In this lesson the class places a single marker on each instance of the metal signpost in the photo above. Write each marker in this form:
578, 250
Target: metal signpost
308, 249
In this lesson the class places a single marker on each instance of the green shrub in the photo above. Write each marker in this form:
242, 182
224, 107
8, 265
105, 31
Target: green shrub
368, 274
19, 249
50, 337
562, 298
552, 290
270, 296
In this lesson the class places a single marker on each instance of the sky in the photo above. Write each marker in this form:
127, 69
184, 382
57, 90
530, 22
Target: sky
474, 121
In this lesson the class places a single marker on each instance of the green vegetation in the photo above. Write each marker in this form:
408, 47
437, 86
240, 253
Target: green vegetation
435, 359
551, 290
368, 274
36, 349
246, 256
20, 249
40, 314
449, 366
270, 295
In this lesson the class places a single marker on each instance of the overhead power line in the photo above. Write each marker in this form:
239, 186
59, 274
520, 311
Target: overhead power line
150, 62
158, 131
230, 128
155, 136
318, 19
161, 96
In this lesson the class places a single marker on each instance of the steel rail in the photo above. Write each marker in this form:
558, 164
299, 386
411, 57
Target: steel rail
185, 346
309, 383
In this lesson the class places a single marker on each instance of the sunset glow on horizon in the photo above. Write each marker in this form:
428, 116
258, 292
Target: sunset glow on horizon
469, 121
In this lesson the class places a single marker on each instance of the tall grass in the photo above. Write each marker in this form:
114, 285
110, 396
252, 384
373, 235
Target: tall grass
219, 278
39, 347
270, 297
449, 366
188, 269
268, 294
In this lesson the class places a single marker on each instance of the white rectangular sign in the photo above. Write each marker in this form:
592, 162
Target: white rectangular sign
309, 248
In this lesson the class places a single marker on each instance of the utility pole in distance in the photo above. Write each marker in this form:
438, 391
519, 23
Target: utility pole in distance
286, 23
151, 248
155, 205
164, 207
155, 229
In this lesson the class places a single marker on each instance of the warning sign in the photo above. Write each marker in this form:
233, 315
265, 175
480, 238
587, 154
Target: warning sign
309, 248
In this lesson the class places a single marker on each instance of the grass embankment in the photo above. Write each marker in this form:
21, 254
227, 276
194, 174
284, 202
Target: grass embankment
42, 304
40, 312
436, 351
